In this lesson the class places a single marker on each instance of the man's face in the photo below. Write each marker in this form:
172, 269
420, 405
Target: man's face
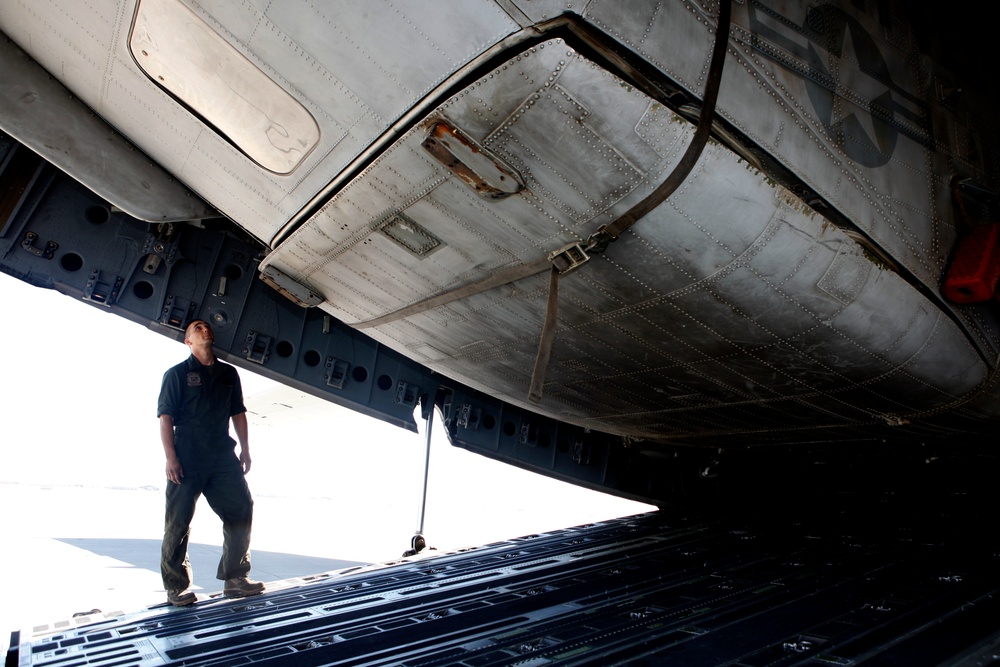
199, 333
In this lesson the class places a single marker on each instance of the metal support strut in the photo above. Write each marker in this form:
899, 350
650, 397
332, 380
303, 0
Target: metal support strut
417, 542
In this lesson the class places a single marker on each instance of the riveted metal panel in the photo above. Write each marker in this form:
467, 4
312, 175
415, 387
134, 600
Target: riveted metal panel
732, 304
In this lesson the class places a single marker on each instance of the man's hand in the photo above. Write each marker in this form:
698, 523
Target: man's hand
175, 473
245, 460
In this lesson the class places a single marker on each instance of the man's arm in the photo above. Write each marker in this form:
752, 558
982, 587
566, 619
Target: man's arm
174, 471
240, 425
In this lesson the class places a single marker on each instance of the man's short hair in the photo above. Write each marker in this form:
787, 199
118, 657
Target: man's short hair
187, 330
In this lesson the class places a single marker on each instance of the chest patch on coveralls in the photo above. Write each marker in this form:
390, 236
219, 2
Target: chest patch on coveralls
194, 379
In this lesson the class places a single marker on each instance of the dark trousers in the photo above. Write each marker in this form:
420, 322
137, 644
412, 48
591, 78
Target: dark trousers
226, 491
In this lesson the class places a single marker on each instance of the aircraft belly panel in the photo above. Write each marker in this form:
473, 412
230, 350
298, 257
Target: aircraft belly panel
839, 97
730, 304
809, 77
866, 166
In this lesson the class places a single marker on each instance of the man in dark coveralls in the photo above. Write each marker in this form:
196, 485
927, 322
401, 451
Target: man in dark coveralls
198, 398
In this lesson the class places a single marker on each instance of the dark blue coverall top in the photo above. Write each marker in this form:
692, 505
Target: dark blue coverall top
202, 399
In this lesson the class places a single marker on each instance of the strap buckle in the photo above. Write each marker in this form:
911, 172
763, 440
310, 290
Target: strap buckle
568, 258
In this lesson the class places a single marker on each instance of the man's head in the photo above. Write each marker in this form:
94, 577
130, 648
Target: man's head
198, 333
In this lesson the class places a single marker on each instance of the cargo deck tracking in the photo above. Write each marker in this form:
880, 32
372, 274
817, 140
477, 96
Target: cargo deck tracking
816, 590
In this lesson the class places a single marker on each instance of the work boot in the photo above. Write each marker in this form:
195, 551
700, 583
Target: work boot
180, 597
241, 587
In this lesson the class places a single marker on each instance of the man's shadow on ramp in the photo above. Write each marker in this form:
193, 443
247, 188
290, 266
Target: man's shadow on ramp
267, 565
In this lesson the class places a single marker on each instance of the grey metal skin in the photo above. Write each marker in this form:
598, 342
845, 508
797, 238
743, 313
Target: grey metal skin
722, 305
41, 112
787, 293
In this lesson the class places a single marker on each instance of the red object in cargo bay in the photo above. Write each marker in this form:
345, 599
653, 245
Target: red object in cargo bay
972, 276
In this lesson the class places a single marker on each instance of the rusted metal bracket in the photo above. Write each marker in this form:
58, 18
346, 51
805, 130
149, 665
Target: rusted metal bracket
486, 173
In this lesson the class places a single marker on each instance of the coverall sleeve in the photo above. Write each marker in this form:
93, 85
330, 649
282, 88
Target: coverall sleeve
236, 405
170, 395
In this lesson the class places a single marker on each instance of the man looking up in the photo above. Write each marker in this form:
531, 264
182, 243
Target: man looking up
198, 398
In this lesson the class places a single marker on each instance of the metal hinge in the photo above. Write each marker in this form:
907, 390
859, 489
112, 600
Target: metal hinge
28, 243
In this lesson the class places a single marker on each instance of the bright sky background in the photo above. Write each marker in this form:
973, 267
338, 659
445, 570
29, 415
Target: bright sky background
79, 410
